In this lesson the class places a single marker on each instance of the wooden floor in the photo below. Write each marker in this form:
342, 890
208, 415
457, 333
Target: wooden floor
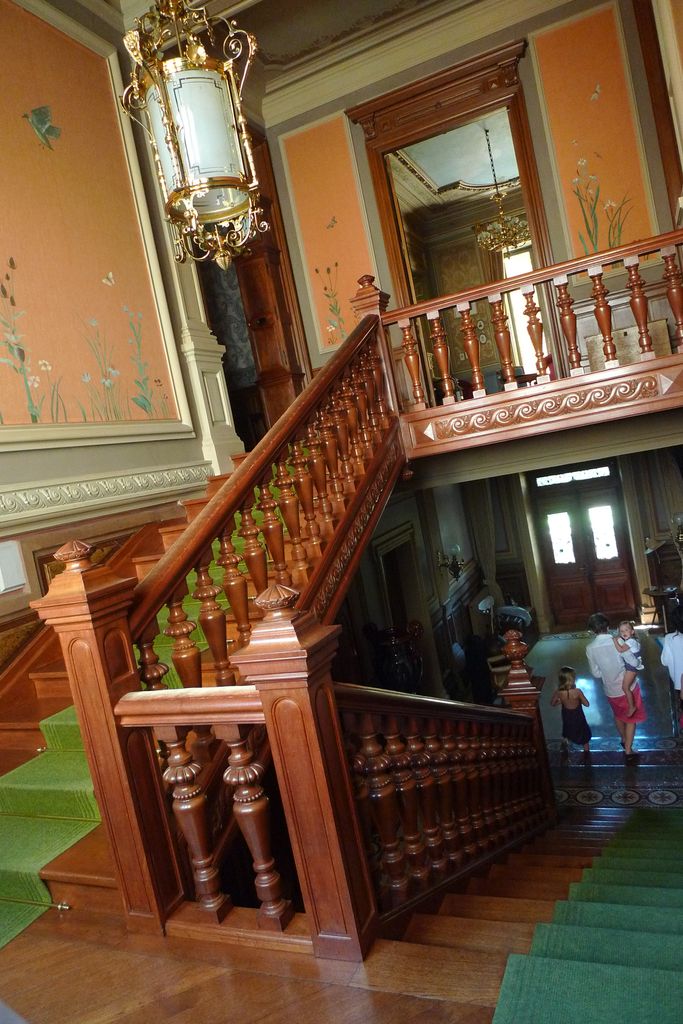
81, 967
91, 972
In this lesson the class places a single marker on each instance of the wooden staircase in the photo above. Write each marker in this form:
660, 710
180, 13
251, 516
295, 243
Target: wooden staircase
452, 959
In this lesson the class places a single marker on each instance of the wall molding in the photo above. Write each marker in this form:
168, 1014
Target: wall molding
419, 37
43, 505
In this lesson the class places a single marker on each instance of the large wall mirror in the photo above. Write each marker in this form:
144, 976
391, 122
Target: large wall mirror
446, 155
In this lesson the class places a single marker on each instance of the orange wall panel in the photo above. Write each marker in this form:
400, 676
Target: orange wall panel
80, 338
330, 222
593, 133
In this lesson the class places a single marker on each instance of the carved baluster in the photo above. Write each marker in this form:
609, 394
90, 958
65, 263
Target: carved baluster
328, 437
190, 810
360, 397
463, 829
353, 422
438, 758
213, 622
202, 744
473, 777
568, 324
426, 787
411, 357
234, 583
337, 414
318, 469
674, 292
486, 784
152, 671
303, 485
186, 656
253, 554
462, 789
441, 356
359, 771
378, 378
501, 333
535, 329
497, 805
251, 809
288, 504
406, 787
638, 304
271, 528
603, 315
385, 811
367, 373
470, 343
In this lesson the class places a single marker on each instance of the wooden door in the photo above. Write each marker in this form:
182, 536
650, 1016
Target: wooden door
586, 554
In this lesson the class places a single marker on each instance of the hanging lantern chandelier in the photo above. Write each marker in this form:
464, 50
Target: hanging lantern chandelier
190, 101
504, 231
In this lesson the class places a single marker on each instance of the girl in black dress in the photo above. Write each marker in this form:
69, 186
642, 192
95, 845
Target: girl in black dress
575, 728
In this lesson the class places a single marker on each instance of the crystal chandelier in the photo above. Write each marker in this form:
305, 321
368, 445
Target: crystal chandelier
504, 231
191, 104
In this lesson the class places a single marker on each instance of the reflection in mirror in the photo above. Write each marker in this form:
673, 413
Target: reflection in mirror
463, 223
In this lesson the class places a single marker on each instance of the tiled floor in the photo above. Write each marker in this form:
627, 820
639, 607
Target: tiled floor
602, 778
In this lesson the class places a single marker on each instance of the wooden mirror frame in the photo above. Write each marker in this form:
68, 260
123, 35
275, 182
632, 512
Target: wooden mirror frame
435, 105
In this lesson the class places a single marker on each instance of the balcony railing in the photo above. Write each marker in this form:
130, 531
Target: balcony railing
561, 390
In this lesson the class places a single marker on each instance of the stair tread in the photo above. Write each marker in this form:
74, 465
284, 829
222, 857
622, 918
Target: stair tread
464, 976
470, 933
541, 990
495, 908
519, 888
551, 859
531, 872
87, 862
608, 946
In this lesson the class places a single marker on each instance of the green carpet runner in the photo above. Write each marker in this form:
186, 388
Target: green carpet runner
46, 805
614, 950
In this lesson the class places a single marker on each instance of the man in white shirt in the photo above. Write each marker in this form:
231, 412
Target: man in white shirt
608, 666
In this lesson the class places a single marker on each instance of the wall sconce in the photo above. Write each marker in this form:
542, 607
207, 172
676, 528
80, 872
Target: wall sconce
190, 99
452, 562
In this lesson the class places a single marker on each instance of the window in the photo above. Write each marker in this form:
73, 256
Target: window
560, 528
575, 474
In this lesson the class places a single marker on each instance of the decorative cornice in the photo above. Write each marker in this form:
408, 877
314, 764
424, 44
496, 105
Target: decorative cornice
419, 37
542, 408
60, 501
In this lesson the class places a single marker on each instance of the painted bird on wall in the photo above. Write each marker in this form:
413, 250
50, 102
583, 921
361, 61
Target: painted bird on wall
40, 120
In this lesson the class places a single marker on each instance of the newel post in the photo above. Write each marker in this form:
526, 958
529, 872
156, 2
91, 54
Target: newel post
522, 692
288, 661
88, 606
370, 300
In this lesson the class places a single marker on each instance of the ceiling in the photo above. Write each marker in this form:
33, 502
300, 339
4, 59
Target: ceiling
289, 32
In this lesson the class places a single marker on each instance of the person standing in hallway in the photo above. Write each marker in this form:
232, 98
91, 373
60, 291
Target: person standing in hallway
672, 656
607, 665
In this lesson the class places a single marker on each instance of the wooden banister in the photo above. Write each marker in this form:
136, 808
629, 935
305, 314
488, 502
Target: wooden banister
158, 586
605, 257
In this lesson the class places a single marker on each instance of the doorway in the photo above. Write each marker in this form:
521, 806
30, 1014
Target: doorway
581, 528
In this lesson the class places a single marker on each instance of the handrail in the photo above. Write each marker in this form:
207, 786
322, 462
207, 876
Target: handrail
178, 561
372, 700
580, 263
192, 706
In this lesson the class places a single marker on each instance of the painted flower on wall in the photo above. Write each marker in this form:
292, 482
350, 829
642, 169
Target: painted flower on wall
336, 327
98, 391
610, 213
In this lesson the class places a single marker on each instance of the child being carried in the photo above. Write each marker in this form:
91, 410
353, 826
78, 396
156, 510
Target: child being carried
628, 646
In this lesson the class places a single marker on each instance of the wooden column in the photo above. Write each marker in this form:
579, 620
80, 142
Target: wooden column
674, 292
638, 304
288, 660
88, 609
568, 324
